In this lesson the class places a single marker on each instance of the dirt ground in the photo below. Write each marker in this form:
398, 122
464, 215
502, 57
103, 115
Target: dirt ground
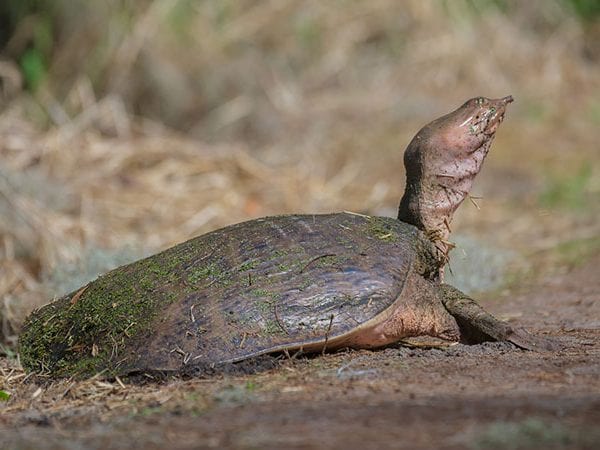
485, 396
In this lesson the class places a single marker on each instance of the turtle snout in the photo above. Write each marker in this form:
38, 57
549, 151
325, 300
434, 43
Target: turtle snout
496, 113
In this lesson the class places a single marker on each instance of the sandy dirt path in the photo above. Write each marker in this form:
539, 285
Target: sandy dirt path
487, 396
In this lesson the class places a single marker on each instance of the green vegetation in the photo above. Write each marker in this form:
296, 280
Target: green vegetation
248, 265
568, 190
575, 251
201, 274
34, 59
260, 292
8, 352
587, 10
81, 333
532, 433
236, 394
382, 229
328, 261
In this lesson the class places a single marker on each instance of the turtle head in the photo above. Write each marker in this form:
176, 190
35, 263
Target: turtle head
441, 163
444, 146
474, 123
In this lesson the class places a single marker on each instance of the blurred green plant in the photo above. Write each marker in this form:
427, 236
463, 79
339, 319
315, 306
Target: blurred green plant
180, 18
4, 396
8, 352
308, 32
576, 251
465, 10
34, 68
567, 191
36, 17
531, 433
594, 111
235, 394
587, 10
535, 110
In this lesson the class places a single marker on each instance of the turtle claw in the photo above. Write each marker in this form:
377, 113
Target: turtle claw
525, 340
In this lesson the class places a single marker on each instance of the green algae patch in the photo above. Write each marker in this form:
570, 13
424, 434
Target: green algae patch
208, 274
382, 228
84, 332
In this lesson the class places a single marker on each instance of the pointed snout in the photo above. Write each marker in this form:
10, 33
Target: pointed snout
497, 114
501, 103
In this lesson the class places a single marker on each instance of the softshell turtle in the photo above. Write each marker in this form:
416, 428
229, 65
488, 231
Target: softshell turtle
288, 283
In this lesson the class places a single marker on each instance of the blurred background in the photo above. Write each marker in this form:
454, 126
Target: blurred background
127, 126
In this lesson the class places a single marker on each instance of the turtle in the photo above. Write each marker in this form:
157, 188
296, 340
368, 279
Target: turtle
289, 283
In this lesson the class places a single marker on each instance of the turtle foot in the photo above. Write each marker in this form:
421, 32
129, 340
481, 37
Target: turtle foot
477, 325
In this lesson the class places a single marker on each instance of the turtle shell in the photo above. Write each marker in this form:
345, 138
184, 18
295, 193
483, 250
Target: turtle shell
270, 284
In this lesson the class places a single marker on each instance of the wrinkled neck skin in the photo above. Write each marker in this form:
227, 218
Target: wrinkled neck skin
441, 163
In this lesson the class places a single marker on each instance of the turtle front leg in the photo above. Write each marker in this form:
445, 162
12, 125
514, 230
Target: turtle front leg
477, 325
